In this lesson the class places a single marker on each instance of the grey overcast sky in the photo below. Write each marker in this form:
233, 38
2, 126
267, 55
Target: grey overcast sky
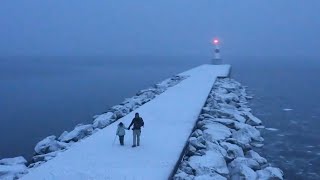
163, 27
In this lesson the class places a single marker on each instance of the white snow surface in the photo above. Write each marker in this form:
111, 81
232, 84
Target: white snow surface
13, 161
169, 119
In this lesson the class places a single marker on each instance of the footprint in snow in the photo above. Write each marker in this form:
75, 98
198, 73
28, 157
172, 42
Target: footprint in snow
165, 163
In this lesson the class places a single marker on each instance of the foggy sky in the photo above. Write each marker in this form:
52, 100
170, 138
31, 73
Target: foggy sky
163, 27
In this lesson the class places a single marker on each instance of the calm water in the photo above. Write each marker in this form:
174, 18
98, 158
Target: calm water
44, 96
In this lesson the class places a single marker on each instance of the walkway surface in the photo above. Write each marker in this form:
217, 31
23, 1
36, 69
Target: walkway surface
169, 119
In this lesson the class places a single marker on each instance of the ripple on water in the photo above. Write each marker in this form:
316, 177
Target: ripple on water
272, 129
293, 122
281, 135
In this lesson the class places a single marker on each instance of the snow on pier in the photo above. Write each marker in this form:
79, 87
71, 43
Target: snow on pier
169, 120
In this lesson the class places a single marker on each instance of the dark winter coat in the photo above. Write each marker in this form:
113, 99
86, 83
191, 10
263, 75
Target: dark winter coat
137, 123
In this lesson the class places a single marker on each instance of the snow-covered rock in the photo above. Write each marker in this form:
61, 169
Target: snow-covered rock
216, 147
13, 161
227, 122
207, 164
233, 151
245, 147
229, 84
200, 152
239, 125
49, 144
244, 161
205, 116
175, 80
242, 172
208, 110
197, 133
227, 106
186, 168
103, 120
119, 111
78, 133
12, 171
181, 175
191, 150
62, 135
132, 103
245, 109
152, 90
255, 156
252, 120
247, 134
270, 173
239, 117
220, 90
12, 168
198, 143
229, 114
45, 157
256, 144
160, 88
213, 176
220, 113
147, 95
200, 124
215, 132
36, 164
229, 97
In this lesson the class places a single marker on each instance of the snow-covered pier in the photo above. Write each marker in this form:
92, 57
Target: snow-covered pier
198, 125
169, 119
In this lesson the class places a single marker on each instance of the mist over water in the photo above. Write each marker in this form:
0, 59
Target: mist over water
42, 96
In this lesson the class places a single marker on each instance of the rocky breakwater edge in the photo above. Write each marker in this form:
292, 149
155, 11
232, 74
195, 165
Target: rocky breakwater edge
51, 146
224, 138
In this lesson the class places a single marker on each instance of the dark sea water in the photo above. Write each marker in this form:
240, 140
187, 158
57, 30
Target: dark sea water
286, 83
41, 96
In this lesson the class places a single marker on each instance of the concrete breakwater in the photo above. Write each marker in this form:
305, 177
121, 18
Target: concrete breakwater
51, 146
222, 143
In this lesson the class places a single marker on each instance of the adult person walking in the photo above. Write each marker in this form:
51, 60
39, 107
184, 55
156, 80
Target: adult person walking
137, 123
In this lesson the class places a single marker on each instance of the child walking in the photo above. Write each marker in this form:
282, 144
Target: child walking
121, 131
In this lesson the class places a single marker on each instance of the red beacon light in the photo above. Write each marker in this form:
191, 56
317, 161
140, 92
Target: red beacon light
215, 41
